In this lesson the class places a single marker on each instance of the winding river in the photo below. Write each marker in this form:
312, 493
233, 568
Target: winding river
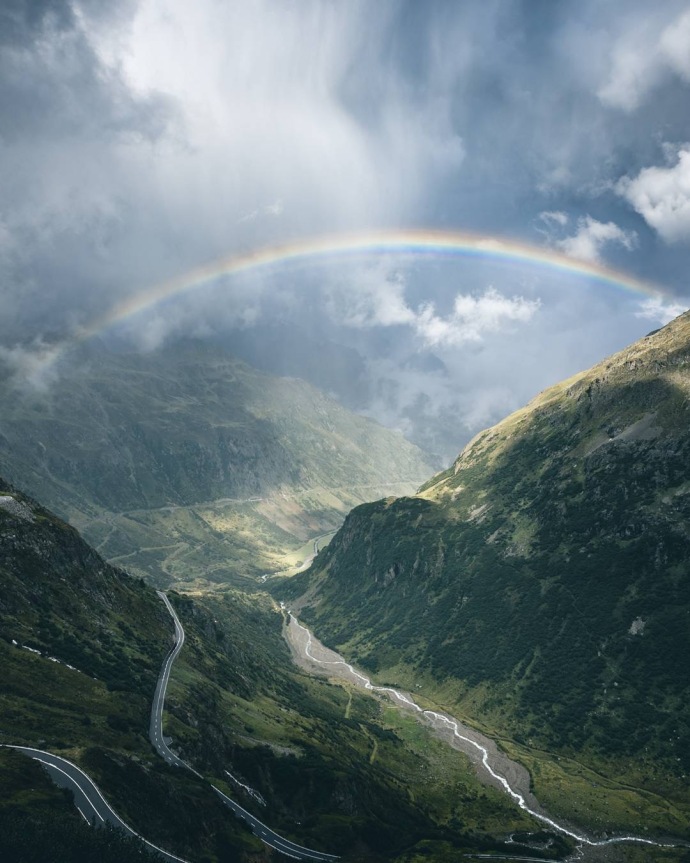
498, 769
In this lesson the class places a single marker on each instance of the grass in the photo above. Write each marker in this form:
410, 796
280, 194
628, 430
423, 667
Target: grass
587, 790
201, 546
306, 745
451, 789
520, 618
586, 796
44, 702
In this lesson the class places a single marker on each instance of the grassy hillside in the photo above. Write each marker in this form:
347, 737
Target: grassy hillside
336, 769
175, 461
81, 644
541, 587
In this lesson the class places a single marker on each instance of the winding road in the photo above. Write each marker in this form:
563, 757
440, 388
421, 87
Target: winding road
92, 805
96, 810
159, 742
262, 831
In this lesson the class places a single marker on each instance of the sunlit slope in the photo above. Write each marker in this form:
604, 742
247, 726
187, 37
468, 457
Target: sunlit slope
543, 582
174, 462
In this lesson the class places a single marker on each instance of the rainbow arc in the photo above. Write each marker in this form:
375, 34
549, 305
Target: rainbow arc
402, 242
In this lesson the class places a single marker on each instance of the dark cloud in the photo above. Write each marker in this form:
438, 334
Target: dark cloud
138, 140
23, 21
69, 124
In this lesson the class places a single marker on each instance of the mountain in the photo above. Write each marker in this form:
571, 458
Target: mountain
81, 647
300, 352
540, 587
176, 461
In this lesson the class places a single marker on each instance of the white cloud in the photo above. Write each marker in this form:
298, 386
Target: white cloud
591, 236
662, 197
135, 143
554, 217
660, 311
675, 46
145, 139
643, 57
379, 301
33, 366
376, 300
472, 317
263, 118
275, 209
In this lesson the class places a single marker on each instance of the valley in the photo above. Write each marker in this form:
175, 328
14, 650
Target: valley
334, 771
451, 595
187, 466
344, 431
204, 546
490, 762
538, 589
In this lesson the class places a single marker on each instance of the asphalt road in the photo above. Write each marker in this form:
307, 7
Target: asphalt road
94, 808
270, 837
260, 830
156, 723
88, 799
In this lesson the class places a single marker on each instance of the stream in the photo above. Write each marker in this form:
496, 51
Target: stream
492, 765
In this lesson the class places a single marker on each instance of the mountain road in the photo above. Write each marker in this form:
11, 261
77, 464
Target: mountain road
88, 799
261, 831
96, 810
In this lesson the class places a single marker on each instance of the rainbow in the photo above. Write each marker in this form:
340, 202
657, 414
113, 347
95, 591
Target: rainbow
400, 242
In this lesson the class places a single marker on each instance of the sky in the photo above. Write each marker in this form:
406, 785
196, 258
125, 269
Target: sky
140, 140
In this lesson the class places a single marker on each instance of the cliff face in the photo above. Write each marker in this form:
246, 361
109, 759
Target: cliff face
548, 566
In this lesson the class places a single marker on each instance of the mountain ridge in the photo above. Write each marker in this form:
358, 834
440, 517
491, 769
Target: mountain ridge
540, 585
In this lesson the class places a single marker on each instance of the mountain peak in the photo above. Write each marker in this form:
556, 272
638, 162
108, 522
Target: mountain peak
612, 401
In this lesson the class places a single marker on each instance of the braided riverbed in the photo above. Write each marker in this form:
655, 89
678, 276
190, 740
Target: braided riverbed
492, 765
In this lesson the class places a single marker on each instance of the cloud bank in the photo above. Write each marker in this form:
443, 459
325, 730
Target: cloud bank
140, 140
377, 299
644, 54
589, 240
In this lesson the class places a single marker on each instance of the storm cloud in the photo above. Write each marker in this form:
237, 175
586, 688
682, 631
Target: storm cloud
139, 140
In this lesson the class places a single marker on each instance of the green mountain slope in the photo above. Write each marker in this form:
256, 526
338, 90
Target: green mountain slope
81, 644
172, 462
541, 586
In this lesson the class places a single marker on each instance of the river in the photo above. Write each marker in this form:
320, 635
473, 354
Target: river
492, 765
